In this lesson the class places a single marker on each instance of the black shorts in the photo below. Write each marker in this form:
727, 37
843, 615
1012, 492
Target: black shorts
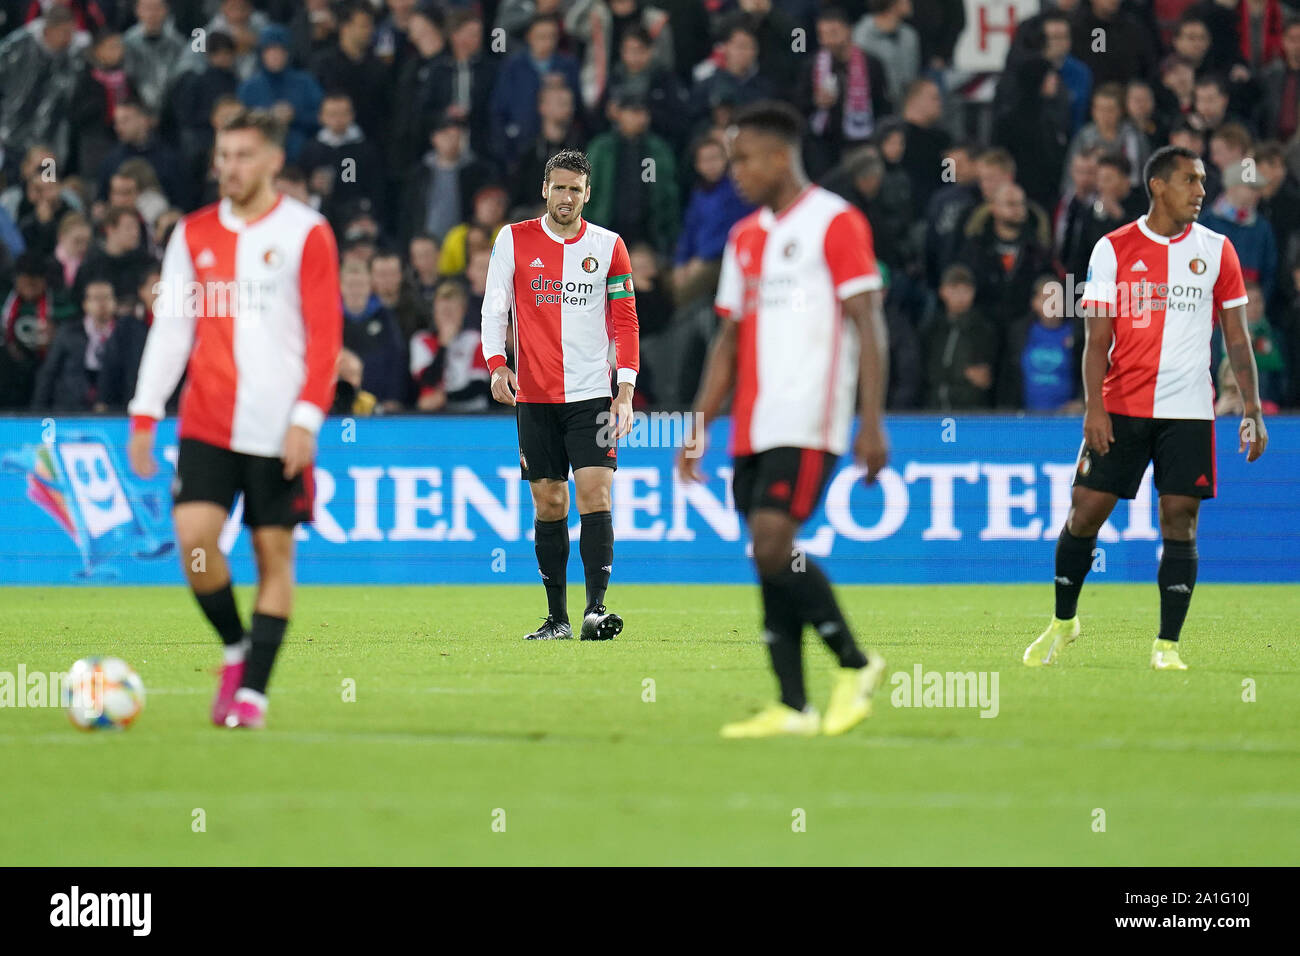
1182, 448
554, 437
785, 479
207, 473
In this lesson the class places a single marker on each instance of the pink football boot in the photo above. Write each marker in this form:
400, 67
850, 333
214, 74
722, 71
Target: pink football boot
249, 710
231, 677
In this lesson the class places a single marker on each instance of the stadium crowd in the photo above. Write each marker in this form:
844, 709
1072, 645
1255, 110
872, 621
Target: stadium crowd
419, 128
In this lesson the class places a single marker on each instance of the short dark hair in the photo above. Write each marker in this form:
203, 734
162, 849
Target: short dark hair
1163, 162
1118, 162
834, 13
574, 160
1215, 80
773, 117
957, 274
258, 119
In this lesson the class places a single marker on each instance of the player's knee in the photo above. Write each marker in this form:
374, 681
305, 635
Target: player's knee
1177, 520
771, 557
593, 499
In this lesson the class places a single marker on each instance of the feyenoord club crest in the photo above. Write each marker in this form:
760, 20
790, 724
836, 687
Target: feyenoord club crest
1197, 266
790, 249
273, 257
590, 264
1085, 465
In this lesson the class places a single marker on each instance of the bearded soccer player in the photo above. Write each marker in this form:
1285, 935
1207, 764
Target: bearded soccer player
1151, 295
801, 334
568, 285
250, 305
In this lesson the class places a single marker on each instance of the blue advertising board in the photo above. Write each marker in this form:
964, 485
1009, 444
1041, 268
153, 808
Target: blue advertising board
431, 500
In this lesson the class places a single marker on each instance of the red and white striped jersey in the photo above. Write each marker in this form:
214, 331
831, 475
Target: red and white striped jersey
784, 277
570, 298
1165, 292
252, 310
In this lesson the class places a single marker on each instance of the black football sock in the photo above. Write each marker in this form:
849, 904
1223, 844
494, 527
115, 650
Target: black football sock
264, 643
784, 638
552, 547
219, 606
597, 547
821, 610
1073, 561
1177, 578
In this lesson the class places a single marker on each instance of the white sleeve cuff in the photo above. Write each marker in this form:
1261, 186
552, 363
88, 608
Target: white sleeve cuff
1233, 303
867, 283
308, 416
627, 375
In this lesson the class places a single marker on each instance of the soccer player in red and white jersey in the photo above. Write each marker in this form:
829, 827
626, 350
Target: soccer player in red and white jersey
801, 336
1152, 293
567, 283
250, 307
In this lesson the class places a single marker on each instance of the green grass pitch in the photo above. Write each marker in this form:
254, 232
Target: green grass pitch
458, 725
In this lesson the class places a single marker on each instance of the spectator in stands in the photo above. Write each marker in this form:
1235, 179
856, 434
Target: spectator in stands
842, 91
71, 248
1006, 250
351, 67
463, 79
623, 198
885, 34
413, 88
1035, 129
1191, 44
938, 24
559, 129
1043, 355
1076, 78
39, 216
101, 85
1230, 145
313, 27
1289, 325
1129, 49
392, 41
1117, 203
1075, 209
371, 332
926, 140
1236, 215
1140, 108
341, 164
37, 77
1176, 93
1279, 202
447, 363
1260, 28
137, 138
29, 315
713, 208
514, 100
349, 397
1110, 130
1222, 21
1270, 355
119, 258
153, 53
68, 377
638, 73
395, 295
1210, 103
488, 212
439, 191
884, 197
293, 96
120, 361
960, 347
657, 379
949, 208
774, 28
600, 28
194, 98
476, 278
244, 25
1280, 105
422, 253
736, 77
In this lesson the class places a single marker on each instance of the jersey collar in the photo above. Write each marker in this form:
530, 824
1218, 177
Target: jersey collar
1156, 237
767, 218
234, 223
582, 230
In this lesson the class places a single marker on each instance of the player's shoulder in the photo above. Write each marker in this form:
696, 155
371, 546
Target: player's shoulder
1205, 236
296, 211
745, 224
600, 236
1124, 235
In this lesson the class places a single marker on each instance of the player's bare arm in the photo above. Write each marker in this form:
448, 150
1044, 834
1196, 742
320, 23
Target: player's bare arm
871, 447
504, 385
1252, 435
140, 453
719, 379
1098, 431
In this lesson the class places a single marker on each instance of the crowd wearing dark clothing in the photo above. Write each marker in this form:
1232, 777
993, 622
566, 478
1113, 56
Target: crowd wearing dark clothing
420, 127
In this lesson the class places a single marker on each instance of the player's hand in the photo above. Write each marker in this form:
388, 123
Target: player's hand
299, 450
620, 412
688, 459
871, 449
1097, 430
504, 385
139, 451
1252, 435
